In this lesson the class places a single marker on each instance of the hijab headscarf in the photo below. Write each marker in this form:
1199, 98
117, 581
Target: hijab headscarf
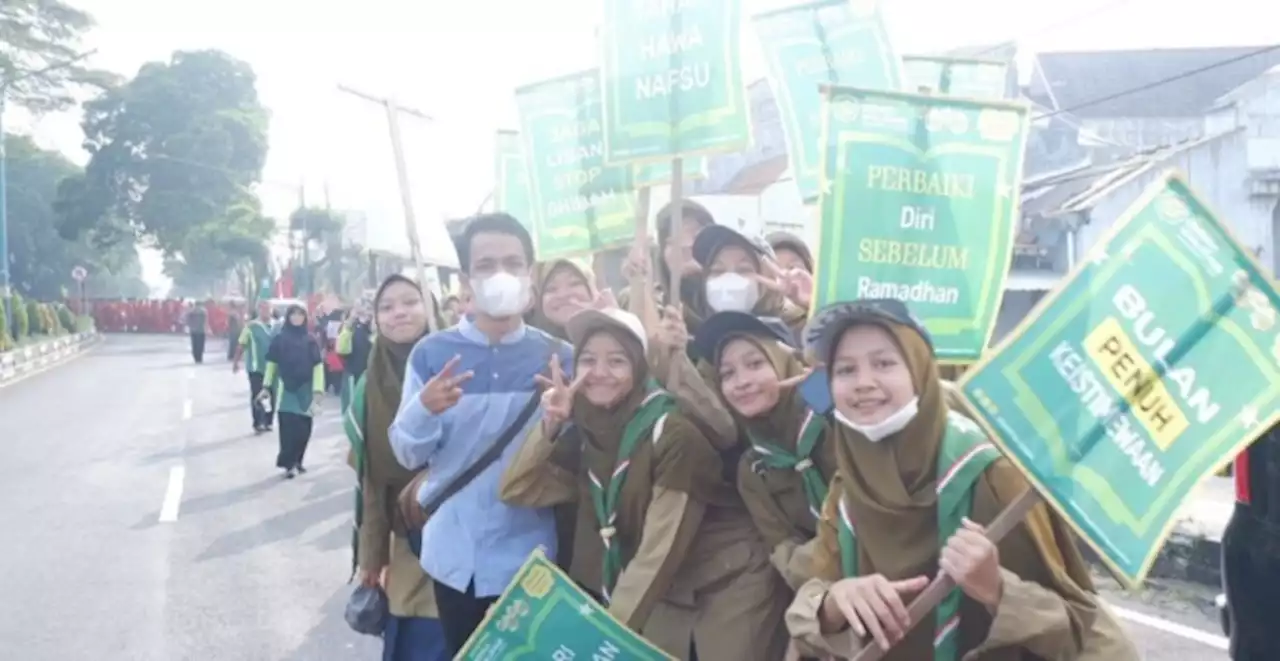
781, 425
789, 241
693, 295
294, 351
384, 382
603, 427
537, 317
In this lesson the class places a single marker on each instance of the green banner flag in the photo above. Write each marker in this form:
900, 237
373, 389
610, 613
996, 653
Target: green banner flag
957, 76
511, 192
826, 42
1156, 362
659, 174
920, 203
544, 616
673, 80
580, 204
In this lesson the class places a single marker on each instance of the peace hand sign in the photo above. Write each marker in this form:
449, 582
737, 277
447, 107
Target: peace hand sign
557, 400
444, 390
796, 380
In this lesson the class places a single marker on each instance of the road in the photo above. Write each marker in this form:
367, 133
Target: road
144, 521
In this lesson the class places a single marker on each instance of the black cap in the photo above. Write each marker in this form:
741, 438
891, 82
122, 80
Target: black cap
712, 238
713, 331
828, 323
689, 210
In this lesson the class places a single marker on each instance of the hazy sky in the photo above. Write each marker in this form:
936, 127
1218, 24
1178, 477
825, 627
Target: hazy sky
459, 61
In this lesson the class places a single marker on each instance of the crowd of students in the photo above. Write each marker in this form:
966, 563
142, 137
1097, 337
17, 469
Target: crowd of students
733, 478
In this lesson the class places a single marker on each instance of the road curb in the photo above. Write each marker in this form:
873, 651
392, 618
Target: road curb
1185, 557
20, 363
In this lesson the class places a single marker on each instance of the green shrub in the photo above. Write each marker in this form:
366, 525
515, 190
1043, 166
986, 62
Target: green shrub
35, 319
6, 342
67, 319
21, 323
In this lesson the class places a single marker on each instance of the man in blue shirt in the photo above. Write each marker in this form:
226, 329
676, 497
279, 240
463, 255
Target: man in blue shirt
463, 388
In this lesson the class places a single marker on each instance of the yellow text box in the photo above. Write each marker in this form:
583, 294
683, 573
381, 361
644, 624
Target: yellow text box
1128, 372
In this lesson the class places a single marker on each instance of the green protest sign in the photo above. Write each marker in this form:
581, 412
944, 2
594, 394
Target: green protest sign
1154, 364
673, 80
827, 42
968, 78
580, 204
511, 192
544, 616
659, 174
919, 203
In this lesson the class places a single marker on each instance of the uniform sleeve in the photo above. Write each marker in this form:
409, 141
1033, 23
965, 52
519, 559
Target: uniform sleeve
694, 395
269, 376
1049, 622
683, 460
533, 478
317, 378
375, 528
770, 520
803, 617
245, 337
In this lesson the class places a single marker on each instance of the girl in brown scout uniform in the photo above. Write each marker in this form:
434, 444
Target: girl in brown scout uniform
915, 487
649, 485
742, 276
784, 473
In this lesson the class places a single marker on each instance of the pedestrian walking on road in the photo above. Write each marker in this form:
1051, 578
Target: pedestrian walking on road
296, 373
252, 347
197, 328
235, 325
385, 543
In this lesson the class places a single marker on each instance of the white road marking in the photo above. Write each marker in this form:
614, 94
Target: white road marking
186, 409
173, 495
1172, 628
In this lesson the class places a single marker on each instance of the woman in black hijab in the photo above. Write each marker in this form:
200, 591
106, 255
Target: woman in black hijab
296, 373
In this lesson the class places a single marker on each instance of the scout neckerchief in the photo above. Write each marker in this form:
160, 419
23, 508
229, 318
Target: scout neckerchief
801, 461
604, 497
966, 453
353, 424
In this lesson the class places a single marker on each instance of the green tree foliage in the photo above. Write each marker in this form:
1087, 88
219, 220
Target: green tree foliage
41, 260
174, 150
39, 39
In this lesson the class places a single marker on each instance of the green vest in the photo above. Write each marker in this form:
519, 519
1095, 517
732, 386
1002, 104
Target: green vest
966, 454
259, 341
353, 425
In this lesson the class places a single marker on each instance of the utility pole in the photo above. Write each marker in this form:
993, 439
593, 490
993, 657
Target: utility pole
7, 80
393, 110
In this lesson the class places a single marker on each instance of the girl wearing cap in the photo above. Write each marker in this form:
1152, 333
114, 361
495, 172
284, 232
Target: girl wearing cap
915, 488
736, 281
784, 473
649, 485
384, 552
790, 251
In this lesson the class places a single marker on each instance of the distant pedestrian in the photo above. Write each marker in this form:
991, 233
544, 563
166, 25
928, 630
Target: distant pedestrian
197, 328
252, 347
294, 357
235, 324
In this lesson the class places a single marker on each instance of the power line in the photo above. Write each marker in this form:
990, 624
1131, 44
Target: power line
1057, 25
1164, 81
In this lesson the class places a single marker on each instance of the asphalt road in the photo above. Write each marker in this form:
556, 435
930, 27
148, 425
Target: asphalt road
144, 521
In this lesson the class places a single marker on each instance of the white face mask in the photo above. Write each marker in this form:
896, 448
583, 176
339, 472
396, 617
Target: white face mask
732, 292
885, 428
502, 294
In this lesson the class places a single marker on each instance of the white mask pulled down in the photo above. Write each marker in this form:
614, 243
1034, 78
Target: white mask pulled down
891, 425
501, 294
732, 292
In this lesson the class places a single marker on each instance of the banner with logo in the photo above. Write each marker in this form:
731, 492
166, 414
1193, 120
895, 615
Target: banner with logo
580, 204
834, 42
1154, 364
956, 76
673, 80
511, 192
919, 202
544, 616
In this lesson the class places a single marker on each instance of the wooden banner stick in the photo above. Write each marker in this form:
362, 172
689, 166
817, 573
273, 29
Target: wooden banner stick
923, 605
640, 283
677, 222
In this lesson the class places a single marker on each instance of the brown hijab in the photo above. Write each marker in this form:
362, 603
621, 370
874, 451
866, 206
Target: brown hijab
781, 425
602, 428
543, 271
890, 488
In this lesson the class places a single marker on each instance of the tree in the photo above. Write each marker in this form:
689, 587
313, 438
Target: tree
171, 151
39, 41
41, 259
212, 250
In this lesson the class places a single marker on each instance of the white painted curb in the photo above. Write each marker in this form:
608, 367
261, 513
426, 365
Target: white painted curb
19, 363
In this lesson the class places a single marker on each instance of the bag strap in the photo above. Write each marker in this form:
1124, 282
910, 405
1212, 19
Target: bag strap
490, 455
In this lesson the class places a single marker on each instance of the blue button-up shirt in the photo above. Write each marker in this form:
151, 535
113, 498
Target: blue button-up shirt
474, 536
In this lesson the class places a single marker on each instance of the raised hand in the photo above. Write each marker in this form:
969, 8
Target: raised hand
444, 390
793, 381
672, 332
557, 399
